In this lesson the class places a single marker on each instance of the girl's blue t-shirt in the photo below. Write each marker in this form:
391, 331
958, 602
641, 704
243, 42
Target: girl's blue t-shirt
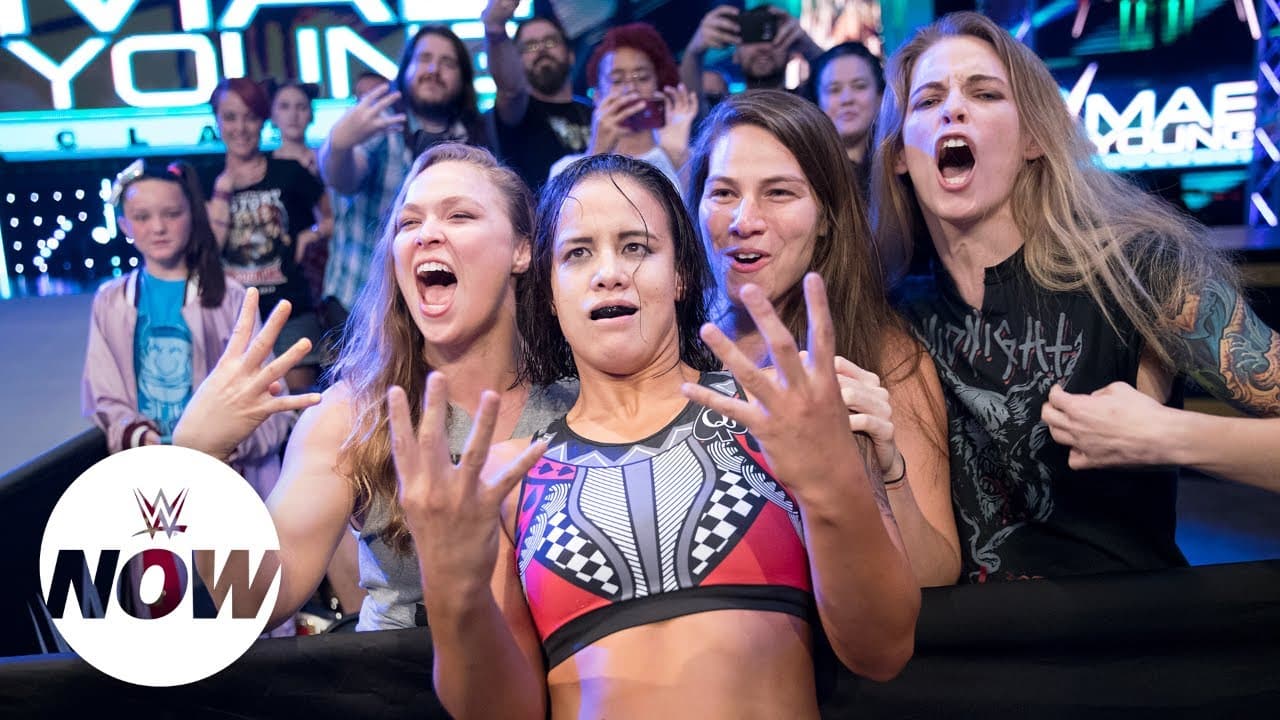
162, 352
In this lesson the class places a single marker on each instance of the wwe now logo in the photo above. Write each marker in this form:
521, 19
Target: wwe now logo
71, 571
114, 591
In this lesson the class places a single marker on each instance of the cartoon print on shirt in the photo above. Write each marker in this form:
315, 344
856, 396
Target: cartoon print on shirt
257, 239
1011, 486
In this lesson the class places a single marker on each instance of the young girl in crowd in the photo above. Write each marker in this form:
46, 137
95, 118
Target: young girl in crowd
158, 331
291, 114
632, 65
442, 296
679, 518
265, 212
1062, 299
775, 199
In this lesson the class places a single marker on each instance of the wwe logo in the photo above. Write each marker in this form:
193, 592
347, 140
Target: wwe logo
159, 515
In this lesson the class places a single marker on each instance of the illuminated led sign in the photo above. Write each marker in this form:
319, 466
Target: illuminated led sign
1139, 130
1179, 130
212, 46
211, 60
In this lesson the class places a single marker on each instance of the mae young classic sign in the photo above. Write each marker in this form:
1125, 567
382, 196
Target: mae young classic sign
212, 46
1186, 127
199, 30
1179, 129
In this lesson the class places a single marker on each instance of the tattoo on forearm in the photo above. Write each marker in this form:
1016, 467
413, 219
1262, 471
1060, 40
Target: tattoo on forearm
1234, 354
876, 479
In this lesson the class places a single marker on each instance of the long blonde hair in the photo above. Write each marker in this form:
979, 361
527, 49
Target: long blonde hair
384, 347
1085, 228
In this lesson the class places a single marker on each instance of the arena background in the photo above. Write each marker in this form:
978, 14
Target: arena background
1180, 93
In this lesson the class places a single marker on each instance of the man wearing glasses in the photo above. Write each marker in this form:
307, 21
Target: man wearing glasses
537, 118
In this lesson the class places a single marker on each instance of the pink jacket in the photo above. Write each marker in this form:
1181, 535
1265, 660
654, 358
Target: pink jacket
109, 391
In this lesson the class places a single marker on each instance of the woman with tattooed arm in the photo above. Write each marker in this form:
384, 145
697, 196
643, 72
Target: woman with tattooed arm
1063, 306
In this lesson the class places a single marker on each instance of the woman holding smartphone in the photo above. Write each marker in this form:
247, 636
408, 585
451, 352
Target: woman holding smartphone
642, 110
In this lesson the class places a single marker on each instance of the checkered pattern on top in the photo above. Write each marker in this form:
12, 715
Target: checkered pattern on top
576, 558
729, 511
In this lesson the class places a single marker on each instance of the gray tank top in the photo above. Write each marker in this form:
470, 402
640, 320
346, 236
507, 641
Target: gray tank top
392, 580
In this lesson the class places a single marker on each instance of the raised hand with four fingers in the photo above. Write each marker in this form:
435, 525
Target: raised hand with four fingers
242, 392
453, 510
370, 116
796, 412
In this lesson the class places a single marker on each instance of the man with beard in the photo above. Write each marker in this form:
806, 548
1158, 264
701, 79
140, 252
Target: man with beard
370, 149
538, 119
763, 64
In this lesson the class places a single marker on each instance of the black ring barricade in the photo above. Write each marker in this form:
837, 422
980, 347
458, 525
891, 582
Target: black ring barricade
1184, 643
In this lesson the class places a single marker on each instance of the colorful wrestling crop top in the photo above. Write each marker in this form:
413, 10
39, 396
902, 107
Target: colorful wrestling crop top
610, 536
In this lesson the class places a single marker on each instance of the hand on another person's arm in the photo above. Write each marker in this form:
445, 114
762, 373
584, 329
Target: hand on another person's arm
868, 598
1119, 426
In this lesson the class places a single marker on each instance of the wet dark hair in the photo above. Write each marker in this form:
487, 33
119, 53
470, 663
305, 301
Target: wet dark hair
203, 258
467, 105
548, 355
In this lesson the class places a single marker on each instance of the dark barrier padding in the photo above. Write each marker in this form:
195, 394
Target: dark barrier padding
343, 675
27, 496
1186, 643
1191, 643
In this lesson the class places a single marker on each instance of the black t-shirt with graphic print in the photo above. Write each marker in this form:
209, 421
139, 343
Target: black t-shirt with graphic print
1021, 511
266, 218
546, 133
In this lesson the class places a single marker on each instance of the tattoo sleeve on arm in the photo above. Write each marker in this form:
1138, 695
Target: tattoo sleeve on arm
1233, 354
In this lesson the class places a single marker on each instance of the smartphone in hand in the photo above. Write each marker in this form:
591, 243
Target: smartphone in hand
651, 117
757, 25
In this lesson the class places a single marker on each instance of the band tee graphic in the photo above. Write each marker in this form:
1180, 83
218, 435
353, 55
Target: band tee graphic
257, 239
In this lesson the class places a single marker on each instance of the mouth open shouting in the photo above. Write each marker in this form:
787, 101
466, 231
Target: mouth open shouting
955, 162
436, 287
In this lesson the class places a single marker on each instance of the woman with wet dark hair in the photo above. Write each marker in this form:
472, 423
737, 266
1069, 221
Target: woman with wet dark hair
678, 519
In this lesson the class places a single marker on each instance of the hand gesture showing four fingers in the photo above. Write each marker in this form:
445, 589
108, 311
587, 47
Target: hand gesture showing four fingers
452, 509
368, 117
241, 392
796, 412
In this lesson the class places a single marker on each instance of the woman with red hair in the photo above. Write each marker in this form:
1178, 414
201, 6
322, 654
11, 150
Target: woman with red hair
642, 110
265, 211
